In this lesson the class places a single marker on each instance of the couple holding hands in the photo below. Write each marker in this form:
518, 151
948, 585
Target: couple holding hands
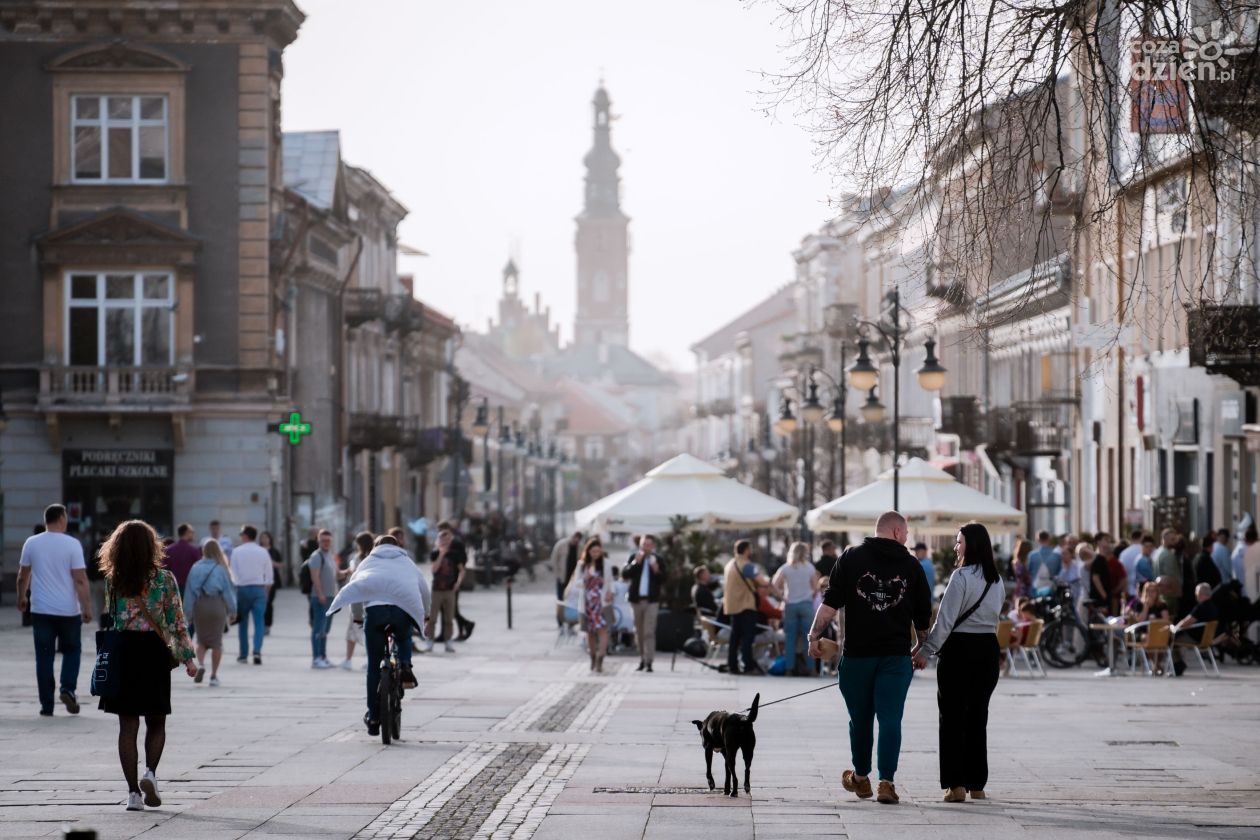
888, 604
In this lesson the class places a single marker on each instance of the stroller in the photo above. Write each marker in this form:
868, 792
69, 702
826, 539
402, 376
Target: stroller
1237, 613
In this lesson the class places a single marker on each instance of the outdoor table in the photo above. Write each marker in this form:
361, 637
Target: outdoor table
1113, 632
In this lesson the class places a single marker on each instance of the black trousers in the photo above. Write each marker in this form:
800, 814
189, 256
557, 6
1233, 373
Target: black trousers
965, 678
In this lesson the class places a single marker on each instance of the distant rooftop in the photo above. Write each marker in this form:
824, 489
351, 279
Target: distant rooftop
310, 163
621, 364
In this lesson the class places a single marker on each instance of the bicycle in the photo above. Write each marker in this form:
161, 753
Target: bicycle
1066, 640
389, 690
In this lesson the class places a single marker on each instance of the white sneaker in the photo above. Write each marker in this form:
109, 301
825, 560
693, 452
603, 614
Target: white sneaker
450, 648
347, 665
427, 647
321, 664
134, 802
214, 682
148, 786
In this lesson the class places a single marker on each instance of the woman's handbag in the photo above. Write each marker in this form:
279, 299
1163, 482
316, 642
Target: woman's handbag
106, 672
157, 628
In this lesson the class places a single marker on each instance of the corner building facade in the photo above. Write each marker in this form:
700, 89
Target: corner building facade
141, 337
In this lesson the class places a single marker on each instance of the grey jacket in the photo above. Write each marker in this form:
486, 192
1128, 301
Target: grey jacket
964, 588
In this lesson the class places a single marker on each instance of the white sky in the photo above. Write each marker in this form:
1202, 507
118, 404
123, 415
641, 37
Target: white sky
477, 115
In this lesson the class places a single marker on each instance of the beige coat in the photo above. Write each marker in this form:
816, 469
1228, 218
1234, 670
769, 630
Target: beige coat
737, 595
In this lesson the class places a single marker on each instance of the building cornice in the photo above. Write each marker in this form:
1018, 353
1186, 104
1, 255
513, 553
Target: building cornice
195, 20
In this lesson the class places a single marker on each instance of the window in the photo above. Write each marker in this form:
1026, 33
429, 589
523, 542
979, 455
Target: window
120, 319
118, 139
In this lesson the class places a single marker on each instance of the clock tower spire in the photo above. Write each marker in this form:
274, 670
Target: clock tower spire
602, 241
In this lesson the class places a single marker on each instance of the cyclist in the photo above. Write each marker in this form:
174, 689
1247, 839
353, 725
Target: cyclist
395, 594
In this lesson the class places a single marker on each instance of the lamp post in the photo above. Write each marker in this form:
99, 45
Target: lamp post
864, 375
481, 428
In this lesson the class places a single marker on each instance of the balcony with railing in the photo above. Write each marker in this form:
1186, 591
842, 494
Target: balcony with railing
960, 415
374, 431
363, 305
403, 313
116, 389
1042, 428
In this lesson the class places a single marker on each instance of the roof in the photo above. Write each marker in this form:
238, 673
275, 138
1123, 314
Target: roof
622, 365
584, 415
781, 304
310, 161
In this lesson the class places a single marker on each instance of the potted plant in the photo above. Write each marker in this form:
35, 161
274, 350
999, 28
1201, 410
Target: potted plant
682, 550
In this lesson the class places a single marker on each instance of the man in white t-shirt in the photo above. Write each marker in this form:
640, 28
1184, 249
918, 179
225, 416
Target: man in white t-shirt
52, 568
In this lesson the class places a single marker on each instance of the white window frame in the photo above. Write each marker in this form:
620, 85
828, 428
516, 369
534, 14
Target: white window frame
104, 123
137, 303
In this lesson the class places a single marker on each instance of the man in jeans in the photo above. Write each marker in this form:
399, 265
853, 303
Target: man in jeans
253, 575
448, 577
884, 593
52, 568
646, 573
323, 567
739, 602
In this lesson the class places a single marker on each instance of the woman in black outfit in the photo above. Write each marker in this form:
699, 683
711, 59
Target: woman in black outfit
964, 637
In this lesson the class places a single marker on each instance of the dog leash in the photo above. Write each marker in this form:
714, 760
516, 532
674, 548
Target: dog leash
792, 697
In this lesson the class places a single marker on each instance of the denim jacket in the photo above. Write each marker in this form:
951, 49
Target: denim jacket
208, 577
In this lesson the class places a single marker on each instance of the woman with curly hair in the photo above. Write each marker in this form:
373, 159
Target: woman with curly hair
143, 603
592, 580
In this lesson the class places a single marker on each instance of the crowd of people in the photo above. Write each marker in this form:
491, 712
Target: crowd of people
171, 602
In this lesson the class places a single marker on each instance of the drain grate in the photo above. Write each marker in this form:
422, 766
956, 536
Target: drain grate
1142, 744
662, 790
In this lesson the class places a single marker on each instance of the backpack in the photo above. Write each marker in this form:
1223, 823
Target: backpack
304, 578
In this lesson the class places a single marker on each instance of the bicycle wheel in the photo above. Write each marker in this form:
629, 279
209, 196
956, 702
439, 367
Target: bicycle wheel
385, 694
396, 718
1064, 644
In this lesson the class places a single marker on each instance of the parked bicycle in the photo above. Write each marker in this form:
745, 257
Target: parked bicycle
390, 689
1066, 640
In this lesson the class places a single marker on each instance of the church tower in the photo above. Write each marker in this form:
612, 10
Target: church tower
602, 243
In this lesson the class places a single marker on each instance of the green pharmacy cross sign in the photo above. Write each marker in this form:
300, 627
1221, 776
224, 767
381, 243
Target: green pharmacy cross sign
295, 428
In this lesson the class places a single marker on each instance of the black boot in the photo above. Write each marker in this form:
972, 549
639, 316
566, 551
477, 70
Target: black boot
465, 630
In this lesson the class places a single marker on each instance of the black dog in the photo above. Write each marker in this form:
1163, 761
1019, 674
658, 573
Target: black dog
729, 733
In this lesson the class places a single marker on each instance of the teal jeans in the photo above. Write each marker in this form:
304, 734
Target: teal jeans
875, 687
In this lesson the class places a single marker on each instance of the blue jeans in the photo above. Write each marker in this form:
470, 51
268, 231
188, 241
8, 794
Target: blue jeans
51, 632
875, 686
374, 621
251, 601
319, 628
796, 620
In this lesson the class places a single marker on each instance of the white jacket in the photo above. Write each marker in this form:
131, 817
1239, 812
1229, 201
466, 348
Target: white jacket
388, 576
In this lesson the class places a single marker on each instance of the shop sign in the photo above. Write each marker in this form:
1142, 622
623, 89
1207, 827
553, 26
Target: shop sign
151, 464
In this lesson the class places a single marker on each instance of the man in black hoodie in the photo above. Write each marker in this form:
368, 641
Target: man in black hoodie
884, 593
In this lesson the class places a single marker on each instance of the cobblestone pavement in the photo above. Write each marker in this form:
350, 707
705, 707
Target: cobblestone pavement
511, 737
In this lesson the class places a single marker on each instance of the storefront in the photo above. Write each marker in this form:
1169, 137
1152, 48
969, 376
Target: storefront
103, 487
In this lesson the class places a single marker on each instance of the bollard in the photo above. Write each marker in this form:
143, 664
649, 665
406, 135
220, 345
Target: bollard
508, 585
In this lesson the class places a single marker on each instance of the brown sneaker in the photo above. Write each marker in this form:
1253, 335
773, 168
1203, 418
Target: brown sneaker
887, 794
851, 783
978, 794
957, 794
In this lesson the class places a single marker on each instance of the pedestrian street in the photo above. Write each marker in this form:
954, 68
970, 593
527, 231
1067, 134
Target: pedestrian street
510, 737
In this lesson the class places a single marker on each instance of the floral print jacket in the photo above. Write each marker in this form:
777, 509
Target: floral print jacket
162, 599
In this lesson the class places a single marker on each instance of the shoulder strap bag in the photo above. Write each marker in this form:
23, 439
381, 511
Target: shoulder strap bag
106, 671
157, 628
966, 614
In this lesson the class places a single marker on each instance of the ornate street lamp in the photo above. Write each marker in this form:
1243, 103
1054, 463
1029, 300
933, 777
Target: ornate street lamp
812, 410
864, 375
873, 411
786, 424
481, 423
931, 375
835, 421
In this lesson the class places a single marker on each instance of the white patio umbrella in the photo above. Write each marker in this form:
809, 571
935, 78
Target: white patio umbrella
686, 486
932, 502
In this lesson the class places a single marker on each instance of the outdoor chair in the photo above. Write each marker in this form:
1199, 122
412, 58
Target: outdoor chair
1004, 631
1030, 649
1154, 645
716, 634
1204, 645
567, 631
